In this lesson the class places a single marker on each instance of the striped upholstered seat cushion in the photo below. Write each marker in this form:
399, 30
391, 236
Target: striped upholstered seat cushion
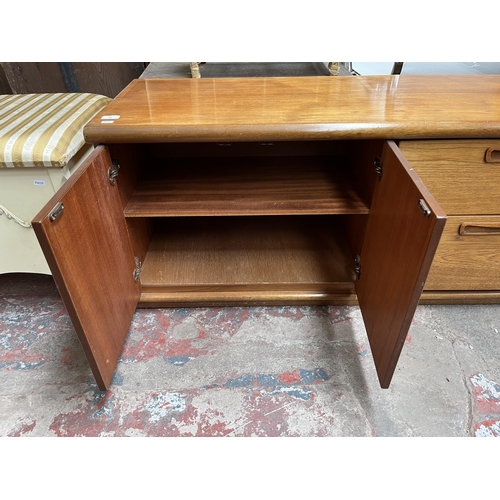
44, 130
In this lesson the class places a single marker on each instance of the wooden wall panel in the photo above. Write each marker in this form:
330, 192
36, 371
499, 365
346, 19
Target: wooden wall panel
34, 78
4, 83
108, 78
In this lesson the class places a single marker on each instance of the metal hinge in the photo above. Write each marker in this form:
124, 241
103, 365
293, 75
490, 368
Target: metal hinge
357, 266
379, 167
138, 269
113, 172
56, 212
424, 208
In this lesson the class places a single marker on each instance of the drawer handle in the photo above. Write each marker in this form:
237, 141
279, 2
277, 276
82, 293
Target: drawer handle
478, 230
492, 155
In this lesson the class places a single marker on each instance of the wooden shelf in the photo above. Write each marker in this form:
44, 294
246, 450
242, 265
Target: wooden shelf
202, 258
246, 186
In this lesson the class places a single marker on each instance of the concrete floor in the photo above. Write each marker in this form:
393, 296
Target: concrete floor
262, 371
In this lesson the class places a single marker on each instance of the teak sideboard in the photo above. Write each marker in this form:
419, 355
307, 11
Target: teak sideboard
306, 190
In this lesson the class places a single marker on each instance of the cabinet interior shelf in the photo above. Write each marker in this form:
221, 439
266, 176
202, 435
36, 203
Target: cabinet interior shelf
305, 185
273, 254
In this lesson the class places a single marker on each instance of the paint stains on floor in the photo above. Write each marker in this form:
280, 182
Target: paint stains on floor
486, 403
236, 371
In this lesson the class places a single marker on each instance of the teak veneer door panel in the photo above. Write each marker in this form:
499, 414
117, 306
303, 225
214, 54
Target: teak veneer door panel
91, 258
399, 245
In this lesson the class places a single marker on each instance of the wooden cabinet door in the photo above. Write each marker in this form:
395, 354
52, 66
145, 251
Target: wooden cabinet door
402, 234
83, 233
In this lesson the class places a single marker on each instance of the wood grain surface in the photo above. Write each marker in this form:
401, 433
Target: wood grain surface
460, 297
246, 186
295, 108
247, 296
91, 259
399, 245
456, 173
106, 78
34, 78
470, 261
269, 254
5, 87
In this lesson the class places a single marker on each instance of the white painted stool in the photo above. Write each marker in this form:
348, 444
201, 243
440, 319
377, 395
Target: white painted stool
41, 145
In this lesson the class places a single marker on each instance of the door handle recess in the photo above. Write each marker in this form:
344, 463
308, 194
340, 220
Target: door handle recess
478, 230
492, 155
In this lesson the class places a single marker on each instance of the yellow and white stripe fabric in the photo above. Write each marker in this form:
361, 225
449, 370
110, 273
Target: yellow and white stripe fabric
44, 130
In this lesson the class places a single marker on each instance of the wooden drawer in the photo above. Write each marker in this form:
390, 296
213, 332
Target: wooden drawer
460, 174
468, 255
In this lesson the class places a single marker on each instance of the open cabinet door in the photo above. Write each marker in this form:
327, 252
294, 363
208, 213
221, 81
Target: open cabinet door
402, 234
83, 233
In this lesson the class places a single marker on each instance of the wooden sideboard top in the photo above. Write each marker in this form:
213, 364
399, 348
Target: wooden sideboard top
302, 108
